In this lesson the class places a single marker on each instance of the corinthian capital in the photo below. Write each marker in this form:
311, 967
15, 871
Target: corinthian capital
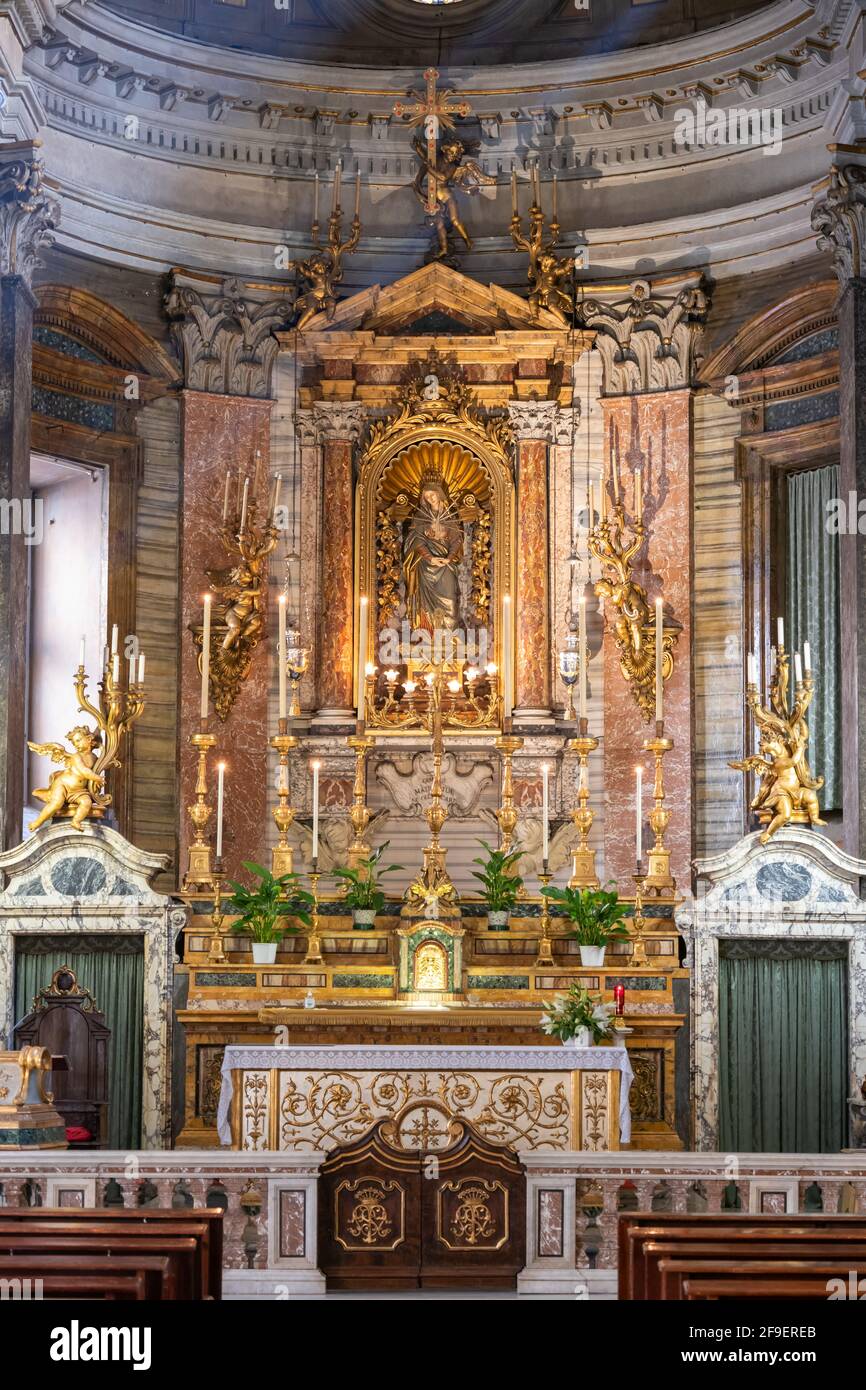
223, 332
648, 339
28, 213
839, 218
534, 419
341, 420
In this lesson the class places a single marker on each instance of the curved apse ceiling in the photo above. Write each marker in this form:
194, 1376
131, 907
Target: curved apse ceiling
385, 33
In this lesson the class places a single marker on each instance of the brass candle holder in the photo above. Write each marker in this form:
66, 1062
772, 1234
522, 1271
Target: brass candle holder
507, 744
282, 859
216, 954
659, 882
360, 814
200, 873
638, 949
314, 944
583, 857
545, 945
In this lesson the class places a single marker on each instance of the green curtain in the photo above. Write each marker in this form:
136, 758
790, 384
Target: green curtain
812, 615
783, 1038
115, 978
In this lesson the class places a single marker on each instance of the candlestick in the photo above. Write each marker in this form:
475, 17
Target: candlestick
221, 775
619, 1000
659, 881
660, 652
216, 954
244, 503
199, 874
281, 655
81, 650
363, 611
205, 658
780, 632
581, 628
545, 812
314, 944
283, 813
638, 950
315, 765
638, 802
583, 857
545, 945
506, 659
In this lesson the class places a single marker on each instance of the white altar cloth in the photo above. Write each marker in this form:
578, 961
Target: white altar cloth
346, 1057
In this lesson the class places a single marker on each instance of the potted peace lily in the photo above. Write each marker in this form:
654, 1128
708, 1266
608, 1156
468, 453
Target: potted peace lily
597, 915
263, 910
364, 894
501, 883
577, 1019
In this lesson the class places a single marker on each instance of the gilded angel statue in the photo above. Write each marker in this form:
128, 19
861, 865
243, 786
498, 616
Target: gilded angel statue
451, 170
76, 789
787, 791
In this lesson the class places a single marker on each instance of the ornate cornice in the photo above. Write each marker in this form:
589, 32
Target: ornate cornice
224, 334
28, 213
339, 420
648, 339
534, 419
839, 218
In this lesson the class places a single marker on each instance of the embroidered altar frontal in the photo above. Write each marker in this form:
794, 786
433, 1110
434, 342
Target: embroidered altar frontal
534, 1100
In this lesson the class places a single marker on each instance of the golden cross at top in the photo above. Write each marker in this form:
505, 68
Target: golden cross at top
434, 109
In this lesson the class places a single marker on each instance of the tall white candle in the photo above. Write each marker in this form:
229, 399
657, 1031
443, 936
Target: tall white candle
275, 499
638, 494
545, 811
807, 657
590, 507
581, 629
780, 631
357, 194
506, 657
513, 192
141, 668
660, 650
751, 669
81, 649
316, 200
281, 656
132, 666
221, 779
205, 657
798, 667
244, 504
226, 497
638, 803
114, 639
115, 668
316, 766
363, 615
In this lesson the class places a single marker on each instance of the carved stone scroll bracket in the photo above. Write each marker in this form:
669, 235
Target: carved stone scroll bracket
648, 338
224, 333
28, 213
839, 218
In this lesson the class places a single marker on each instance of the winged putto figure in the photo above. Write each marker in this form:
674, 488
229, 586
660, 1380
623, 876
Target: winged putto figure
76, 790
452, 169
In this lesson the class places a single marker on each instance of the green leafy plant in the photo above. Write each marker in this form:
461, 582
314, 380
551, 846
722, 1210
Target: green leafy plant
363, 883
597, 914
578, 1009
498, 877
262, 910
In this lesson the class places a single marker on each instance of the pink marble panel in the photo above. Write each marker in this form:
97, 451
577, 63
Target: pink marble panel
531, 671
293, 1212
551, 1203
337, 613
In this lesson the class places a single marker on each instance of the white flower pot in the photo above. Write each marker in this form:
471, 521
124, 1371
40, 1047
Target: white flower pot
582, 1038
363, 918
497, 919
592, 955
264, 952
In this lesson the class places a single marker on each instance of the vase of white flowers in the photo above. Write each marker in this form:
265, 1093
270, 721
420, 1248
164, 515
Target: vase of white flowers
577, 1019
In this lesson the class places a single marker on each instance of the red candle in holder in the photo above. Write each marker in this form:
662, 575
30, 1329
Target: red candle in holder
619, 999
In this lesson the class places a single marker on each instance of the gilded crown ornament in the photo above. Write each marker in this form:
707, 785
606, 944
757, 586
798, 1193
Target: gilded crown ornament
787, 791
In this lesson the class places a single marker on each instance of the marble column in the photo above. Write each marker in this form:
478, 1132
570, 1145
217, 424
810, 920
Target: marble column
339, 425
28, 217
534, 424
652, 432
839, 218
224, 333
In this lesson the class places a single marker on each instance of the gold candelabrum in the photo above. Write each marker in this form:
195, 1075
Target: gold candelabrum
360, 815
507, 745
314, 943
659, 882
216, 954
548, 273
282, 861
323, 268
545, 945
615, 540
583, 856
433, 885
787, 793
200, 873
77, 790
638, 945
470, 698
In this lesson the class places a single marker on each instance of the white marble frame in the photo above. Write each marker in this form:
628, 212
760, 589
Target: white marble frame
732, 905
130, 906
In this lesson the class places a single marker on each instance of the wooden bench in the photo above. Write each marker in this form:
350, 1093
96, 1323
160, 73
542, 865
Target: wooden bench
136, 1277
191, 1238
775, 1286
735, 1236
754, 1273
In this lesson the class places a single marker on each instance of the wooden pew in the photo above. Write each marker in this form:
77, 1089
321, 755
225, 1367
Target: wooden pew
139, 1277
741, 1248
639, 1229
754, 1273
205, 1225
200, 1228
774, 1286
